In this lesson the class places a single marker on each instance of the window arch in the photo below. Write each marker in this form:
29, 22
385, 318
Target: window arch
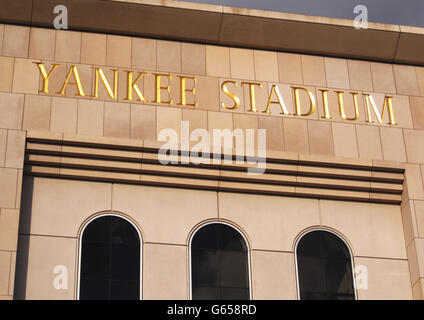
324, 267
219, 263
110, 260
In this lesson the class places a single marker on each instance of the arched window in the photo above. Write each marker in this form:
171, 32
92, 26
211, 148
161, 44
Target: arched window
324, 267
110, 260
219, 264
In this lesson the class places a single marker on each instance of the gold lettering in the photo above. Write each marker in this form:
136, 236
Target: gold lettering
312, 102
46, 77
325, 105
99, 73
387, 102
280, 101
133, 86
342, 108
184, 90
231, 95
73, 71
159, 88
188, 94
252, 94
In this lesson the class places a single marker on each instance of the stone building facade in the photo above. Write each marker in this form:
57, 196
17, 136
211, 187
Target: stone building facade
81, 111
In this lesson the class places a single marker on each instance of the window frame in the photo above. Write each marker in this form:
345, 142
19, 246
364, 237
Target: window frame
338, 236
249, 269
81, 233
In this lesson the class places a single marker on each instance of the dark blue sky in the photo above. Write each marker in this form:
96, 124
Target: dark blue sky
404, 12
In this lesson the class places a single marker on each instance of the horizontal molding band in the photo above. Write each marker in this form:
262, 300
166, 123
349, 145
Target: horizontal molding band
390, 201
293, 172
221, 25
134, 165
212, 177
151, 150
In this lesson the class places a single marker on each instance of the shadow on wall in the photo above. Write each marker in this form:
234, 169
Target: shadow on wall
23, 239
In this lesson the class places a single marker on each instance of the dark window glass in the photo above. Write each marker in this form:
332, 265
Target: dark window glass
219, 264
324, 267
110, 260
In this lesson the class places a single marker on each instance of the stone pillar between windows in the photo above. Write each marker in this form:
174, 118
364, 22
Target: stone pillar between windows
412, 210
12, 150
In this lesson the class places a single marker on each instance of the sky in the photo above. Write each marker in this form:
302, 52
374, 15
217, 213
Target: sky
403, 12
